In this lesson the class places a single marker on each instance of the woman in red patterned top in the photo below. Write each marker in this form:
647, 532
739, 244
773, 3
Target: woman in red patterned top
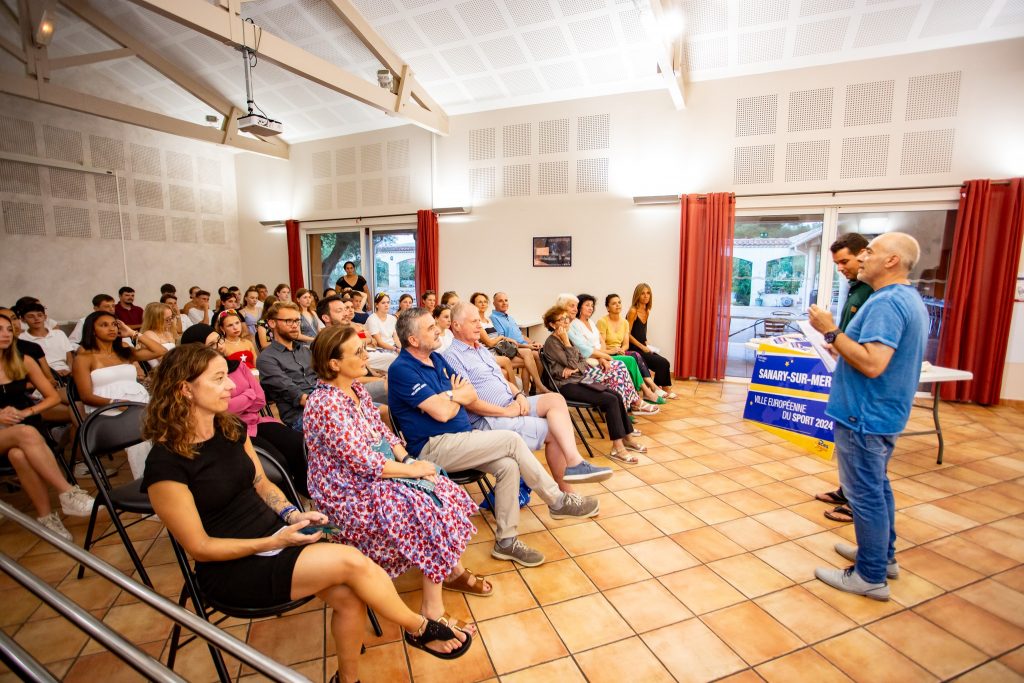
400, 512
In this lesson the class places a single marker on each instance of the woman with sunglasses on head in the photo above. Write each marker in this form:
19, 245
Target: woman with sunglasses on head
208, 486
23, 445
104, 370
237, 343
402, 513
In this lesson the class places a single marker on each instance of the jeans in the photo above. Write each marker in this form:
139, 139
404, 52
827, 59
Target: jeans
863, 459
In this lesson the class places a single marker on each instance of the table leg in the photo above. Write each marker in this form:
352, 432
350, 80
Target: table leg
935, 419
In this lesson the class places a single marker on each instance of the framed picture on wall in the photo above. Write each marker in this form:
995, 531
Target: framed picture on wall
552, 252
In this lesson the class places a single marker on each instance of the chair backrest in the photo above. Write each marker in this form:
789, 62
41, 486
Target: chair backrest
74, 398
107, 430
278, 475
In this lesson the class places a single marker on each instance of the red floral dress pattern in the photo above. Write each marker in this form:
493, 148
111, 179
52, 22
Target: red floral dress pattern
396, 526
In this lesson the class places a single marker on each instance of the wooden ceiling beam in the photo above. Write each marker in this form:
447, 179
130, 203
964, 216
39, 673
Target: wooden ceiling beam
90, 58
227, 26
39, 90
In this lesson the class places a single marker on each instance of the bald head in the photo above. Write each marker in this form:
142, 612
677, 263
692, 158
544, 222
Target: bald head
901, 245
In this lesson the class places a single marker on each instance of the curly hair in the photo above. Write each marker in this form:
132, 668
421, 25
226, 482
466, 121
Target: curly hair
168, 418
553, 314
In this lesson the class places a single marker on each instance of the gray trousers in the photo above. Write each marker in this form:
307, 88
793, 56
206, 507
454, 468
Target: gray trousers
503, 454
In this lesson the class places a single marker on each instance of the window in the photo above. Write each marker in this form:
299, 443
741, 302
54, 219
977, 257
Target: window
392, 253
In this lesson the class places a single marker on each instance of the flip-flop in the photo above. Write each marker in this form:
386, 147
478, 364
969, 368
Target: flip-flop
831, 498
624, 458
840, 513
435, 630
646, 409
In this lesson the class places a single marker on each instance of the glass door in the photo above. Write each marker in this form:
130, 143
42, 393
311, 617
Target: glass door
934, 231
394, 263
328, 253
776, 264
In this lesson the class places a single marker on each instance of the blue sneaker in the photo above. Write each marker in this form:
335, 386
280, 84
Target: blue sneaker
585, 473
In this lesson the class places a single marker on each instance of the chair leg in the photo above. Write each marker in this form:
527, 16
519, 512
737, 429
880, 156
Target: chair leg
579, 432
130, 548
579, 411
172, 651
88, 536
374, 623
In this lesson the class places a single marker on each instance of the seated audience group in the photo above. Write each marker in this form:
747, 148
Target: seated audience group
463, 391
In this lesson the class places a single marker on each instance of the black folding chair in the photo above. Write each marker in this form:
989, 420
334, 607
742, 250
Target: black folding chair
578, 406
463, 477
108, 430
206, 607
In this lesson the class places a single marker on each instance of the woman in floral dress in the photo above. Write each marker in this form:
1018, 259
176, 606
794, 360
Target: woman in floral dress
400, 513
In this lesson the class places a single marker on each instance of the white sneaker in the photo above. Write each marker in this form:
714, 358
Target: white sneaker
82, 470
76, 502
53, 523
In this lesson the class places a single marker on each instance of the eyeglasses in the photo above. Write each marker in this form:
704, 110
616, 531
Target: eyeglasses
287, 321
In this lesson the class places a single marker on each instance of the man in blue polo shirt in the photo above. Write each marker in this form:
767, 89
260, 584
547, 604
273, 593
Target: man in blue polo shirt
427, 399
872, 393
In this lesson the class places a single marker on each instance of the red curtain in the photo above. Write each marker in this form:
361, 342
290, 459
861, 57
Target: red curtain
426, 251
979, 296
294, 255
705, 285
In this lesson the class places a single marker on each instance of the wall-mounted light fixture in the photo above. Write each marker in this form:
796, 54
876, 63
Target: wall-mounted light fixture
453, 210
657, 199
272, 224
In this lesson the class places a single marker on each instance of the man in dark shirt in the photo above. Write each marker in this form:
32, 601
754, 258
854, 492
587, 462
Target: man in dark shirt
126, 311
844, 256
286, 366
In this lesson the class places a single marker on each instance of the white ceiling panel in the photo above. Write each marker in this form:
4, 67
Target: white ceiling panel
474, 55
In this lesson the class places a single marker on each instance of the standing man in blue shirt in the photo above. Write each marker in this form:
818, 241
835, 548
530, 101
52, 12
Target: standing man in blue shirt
873, 388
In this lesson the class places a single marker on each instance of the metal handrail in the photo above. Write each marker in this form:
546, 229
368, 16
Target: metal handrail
21, 663
119, 647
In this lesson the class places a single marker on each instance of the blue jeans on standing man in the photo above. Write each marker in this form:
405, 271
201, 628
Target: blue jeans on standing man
863, 459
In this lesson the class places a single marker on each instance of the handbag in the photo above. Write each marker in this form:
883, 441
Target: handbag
524, 497
506, 348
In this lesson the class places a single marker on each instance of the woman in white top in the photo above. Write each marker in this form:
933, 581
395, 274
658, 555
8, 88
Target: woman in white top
158, 325
443, 316
585, 336
381, 324
104, 371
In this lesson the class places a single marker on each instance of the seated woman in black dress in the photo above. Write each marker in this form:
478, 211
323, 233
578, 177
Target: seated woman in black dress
638, 317
207, 484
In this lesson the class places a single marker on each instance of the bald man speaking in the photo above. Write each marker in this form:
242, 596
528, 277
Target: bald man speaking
873, 390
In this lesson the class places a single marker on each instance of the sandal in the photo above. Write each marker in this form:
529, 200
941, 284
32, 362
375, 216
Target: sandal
646, 409
437, 631
471, 584
637, 432
636, 448
832, 497
840, 513
659, 401
624, 458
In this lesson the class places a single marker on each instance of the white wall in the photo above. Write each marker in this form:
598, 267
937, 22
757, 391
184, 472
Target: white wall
59, 236
264, 189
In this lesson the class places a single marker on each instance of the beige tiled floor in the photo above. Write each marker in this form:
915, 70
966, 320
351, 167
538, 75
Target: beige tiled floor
700, 567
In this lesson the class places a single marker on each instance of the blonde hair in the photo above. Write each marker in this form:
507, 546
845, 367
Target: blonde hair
153, 317
10, 358
637, 291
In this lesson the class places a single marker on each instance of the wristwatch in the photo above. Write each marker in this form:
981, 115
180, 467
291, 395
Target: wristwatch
450, 394
830, 337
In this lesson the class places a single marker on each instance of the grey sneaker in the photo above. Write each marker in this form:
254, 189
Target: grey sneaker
76, 502
892, 570
519, 552
585, 473
575, 505
849, 580
53, 523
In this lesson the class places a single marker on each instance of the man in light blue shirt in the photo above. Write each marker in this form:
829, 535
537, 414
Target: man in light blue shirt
506, 325
873, 388
543, 421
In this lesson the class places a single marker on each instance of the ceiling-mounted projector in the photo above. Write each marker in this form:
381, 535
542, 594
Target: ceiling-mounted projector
259, 125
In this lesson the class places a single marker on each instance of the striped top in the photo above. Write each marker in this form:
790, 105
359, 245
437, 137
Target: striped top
476, 363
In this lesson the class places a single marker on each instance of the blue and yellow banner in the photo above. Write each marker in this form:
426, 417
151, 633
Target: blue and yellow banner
788, 393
